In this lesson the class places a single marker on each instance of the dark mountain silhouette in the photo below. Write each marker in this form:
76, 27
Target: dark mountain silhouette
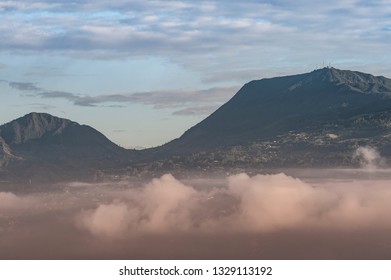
33, 126
40, 144
267, 108
43, 131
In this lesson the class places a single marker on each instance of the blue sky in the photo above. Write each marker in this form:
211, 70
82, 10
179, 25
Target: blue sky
142, 72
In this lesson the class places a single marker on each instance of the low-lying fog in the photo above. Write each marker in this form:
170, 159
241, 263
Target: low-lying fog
308, 214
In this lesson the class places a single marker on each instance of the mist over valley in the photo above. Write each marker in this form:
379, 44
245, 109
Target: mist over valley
331, 214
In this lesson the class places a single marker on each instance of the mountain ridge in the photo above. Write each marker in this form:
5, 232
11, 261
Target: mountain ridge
261, 108
32, 126
39, 145
315, 119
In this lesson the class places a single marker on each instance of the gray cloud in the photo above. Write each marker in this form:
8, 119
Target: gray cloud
59, 94
24, 86
35, 90
207, 32
192, 101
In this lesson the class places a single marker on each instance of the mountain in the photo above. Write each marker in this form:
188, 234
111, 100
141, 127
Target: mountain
321, 113
41, 145
316, 119
264, 109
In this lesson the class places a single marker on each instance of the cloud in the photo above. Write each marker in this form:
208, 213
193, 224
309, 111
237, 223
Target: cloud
270, 202
265, 216
164, 99
59, 94
108, 220
157, 99
161, 206
10, 203
8, 200
35, 90
202, 35
369, 157
24, 86
262, 203
11, 6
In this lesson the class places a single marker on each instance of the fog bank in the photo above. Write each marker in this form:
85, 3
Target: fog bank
240, 216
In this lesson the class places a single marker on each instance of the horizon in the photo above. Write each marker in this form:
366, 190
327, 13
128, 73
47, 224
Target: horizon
142, 73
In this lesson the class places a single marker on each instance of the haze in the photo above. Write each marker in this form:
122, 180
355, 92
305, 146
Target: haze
309, 214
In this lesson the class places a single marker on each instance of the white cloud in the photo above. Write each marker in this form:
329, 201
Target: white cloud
173, 28
262, 203
369, 157
241, 216
8, 200
160, 206
108, 220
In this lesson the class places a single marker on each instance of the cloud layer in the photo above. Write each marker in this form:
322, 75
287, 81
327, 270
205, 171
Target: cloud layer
203, 36
263, 203
241, 216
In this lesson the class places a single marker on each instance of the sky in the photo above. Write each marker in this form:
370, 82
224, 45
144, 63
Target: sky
143, 72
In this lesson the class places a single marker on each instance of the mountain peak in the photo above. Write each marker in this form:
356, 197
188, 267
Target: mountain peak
330, 73
357, 81
271, 107
32, 126
40, 144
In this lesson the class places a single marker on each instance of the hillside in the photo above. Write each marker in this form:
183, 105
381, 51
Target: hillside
316, 119
312, 119
40, 145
